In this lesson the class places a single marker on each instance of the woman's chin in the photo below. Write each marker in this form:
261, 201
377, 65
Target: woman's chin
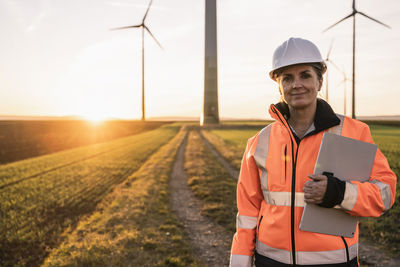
300, 104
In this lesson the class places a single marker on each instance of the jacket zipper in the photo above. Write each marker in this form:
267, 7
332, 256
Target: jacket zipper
347, 249
292, 222
294, 163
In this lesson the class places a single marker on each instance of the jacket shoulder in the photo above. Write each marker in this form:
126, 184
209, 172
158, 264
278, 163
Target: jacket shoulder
356, 129
253, 141
254, 138
354, 123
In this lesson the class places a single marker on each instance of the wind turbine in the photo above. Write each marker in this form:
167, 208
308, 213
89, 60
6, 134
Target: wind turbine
326, 83
143, 27
210, 114
353, 14
344, 81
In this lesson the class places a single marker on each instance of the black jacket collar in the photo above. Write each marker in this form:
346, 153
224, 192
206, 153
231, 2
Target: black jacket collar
325, 117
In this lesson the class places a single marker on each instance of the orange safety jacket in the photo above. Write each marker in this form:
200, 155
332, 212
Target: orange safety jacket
270, 195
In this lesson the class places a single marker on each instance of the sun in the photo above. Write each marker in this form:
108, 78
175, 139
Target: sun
95, 118
97, 108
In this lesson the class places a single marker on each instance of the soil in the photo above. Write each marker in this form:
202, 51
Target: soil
371, 255
210, 241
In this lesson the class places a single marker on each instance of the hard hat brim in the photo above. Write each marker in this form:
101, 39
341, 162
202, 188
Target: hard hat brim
271, 73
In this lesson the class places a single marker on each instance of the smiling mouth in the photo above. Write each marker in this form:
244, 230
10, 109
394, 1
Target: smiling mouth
299, 94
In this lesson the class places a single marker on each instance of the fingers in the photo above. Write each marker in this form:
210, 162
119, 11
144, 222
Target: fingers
314, 190
308, 183
315, 177
312, 199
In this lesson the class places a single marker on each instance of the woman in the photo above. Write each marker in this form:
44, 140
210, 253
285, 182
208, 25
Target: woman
274, 182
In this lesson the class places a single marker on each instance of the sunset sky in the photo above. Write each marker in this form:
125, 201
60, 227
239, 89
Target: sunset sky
59, 58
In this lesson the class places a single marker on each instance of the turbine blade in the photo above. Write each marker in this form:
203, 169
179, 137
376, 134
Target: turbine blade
330, 49
147, 29
126, 27
343, 81
373, 19
354, 5
336, 67
352, 14
345, 76
147, 11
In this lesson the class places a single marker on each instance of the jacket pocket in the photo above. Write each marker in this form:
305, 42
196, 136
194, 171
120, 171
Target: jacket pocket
277, 166
284, 164
258, 225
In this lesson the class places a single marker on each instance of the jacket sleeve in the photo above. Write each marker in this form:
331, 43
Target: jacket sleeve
376, 196
249, 197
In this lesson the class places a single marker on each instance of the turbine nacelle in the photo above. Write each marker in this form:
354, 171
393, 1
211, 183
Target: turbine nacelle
142, 25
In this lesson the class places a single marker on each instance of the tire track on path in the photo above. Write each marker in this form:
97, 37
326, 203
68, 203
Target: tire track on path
210, 241
232, 171
369, 254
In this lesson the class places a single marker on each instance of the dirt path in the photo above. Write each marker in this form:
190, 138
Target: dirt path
210, 241
232, 172
369, 254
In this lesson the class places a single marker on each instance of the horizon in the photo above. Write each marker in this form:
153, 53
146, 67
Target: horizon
161, 118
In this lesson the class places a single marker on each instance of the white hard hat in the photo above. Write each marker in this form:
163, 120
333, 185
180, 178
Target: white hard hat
295, 51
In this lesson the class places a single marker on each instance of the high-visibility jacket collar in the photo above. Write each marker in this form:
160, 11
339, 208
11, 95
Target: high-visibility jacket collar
324, 119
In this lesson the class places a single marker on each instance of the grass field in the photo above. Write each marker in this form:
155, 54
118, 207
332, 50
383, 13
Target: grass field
211, 183
107, 204
384, 230
26, 139
133, 226
43, 196
231, 143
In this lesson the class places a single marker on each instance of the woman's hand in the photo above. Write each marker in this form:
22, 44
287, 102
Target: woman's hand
314, 191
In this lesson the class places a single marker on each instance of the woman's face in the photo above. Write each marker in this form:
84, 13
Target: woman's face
299, 86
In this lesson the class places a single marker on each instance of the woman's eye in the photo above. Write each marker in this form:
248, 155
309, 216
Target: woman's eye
305, 76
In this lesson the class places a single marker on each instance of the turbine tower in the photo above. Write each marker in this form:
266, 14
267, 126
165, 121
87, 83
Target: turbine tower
353, 14
143, 27
210, 113
326, 82
344, 81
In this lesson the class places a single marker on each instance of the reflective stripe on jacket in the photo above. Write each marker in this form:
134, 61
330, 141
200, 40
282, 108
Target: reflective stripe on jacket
270, 194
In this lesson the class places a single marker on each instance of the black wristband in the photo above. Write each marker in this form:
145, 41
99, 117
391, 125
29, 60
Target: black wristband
334, 192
